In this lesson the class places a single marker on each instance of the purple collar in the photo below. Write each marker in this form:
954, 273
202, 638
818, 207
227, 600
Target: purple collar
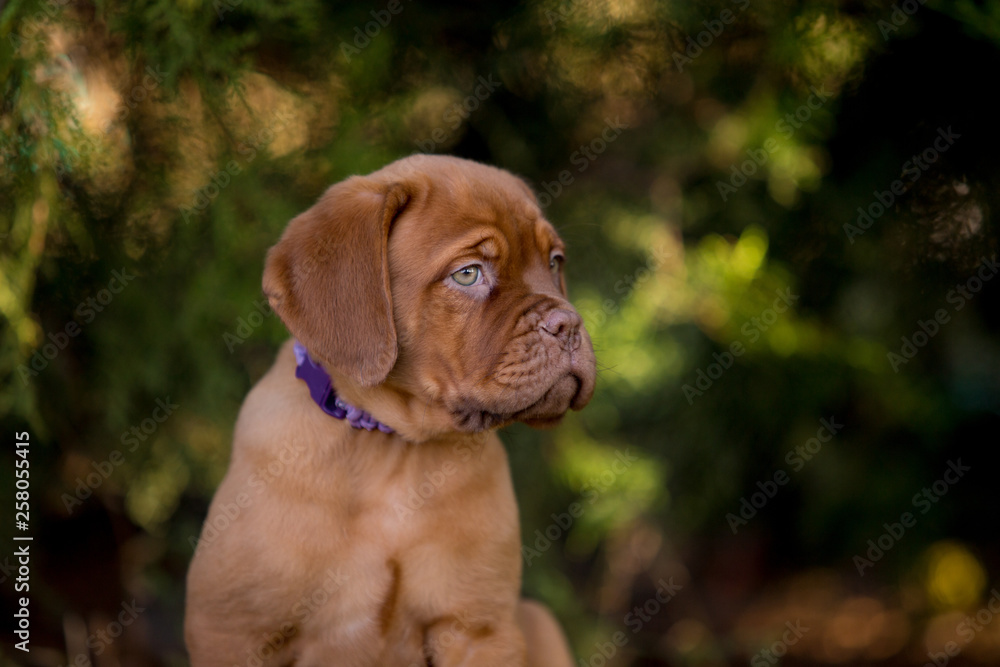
322, 392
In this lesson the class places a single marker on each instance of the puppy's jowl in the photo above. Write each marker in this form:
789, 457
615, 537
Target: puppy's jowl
428, 307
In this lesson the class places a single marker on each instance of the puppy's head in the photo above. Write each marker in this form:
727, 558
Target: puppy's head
439, 280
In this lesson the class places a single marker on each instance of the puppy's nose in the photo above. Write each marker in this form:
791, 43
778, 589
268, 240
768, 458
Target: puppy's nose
564, 325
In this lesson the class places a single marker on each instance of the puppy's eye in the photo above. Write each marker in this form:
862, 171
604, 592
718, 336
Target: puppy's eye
556, 262
467, 276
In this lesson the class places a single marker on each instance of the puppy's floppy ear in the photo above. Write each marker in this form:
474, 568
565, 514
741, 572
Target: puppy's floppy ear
328, 278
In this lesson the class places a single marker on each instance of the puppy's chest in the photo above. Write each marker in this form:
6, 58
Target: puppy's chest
379, 508
400, 531
410, 486
415, 498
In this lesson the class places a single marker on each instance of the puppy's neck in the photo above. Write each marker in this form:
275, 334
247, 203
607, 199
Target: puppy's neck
387, 407
322, 392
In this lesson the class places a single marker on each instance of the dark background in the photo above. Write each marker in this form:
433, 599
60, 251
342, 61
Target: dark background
172, 142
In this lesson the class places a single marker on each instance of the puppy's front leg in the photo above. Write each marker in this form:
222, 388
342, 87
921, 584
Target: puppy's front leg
454, 643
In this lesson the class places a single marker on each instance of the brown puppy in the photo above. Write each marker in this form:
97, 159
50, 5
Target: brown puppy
432, 294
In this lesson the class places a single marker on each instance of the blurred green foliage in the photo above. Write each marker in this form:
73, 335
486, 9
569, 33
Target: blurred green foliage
172, 141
